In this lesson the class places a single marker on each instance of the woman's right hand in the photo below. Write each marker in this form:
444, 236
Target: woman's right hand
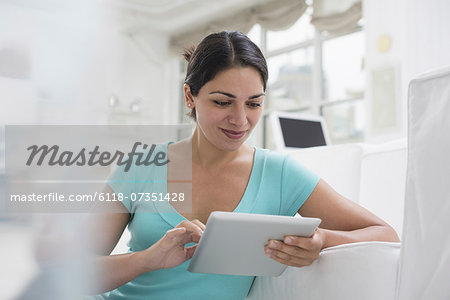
170, 250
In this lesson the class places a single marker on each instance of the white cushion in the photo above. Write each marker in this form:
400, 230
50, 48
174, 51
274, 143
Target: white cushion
338, 165
382, 183
365, 270
425, 261
371, 175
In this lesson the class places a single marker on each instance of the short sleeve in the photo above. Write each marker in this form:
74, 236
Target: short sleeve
135, 179
297, 183
123, 183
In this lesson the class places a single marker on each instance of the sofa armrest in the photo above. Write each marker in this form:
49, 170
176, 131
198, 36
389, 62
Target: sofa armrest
366, 270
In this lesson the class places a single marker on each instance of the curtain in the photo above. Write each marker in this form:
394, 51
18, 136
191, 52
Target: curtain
336, 16
274, 15
328, 15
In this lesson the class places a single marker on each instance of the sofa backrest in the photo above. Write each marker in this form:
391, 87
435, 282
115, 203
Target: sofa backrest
382, 181
340, 166
371, 175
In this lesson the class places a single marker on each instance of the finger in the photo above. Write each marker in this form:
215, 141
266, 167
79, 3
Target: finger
291, 250
195, 231
307, 243
287, 259
279, 254
292, 253
190, 226
190, 251
174, 232
199, 224
292, 261
176, 236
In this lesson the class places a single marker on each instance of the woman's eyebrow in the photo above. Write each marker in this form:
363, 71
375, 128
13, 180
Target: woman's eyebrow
256, 96
233, 96
223, 93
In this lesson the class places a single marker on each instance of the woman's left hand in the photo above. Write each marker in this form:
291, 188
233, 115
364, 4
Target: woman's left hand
296, 251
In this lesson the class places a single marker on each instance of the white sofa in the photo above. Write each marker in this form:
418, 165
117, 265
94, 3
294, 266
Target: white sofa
371, 175
374, 177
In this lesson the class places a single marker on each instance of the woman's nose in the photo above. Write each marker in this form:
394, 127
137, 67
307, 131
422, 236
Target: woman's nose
238, 116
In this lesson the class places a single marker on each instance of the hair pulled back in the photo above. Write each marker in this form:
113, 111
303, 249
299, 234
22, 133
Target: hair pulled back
218, 52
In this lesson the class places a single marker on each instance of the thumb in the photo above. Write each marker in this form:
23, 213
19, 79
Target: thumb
190, 251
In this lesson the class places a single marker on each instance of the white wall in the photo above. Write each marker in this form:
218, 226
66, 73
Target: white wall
79, 55
427, 37
418, 30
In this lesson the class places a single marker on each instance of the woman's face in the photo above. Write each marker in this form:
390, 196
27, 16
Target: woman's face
229, 106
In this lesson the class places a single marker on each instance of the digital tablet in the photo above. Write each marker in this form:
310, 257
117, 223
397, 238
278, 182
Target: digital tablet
233, 243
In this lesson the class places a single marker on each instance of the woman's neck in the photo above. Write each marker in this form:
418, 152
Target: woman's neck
207, 154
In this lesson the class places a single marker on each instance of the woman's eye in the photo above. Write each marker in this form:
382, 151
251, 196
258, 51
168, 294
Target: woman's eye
254, 104
222, 103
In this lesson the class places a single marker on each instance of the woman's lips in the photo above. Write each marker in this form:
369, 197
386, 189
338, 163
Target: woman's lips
233, 134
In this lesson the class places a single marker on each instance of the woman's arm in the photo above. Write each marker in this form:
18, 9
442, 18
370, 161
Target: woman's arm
114, 271
343, 221
106, 225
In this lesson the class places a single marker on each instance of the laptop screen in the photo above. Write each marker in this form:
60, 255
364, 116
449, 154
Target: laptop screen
299, 133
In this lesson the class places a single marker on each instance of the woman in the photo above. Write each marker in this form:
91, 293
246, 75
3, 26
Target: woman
224, 90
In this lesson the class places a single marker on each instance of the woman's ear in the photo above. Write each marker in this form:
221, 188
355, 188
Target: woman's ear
188, 98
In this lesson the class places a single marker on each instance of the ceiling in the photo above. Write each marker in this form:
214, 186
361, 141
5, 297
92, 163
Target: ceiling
168, 17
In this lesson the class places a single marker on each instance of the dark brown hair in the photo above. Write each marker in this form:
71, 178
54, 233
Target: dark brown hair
218, 52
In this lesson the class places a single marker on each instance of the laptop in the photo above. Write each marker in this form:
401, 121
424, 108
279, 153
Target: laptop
293, 130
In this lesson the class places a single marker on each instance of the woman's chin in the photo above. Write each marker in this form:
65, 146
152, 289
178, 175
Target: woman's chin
228, 146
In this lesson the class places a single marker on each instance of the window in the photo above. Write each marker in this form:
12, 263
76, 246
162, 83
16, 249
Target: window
290, 79
345, 120
315, 73
342, 59
183, 111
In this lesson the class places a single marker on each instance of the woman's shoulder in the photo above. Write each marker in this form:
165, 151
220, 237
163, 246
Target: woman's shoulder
276, 160
271, 155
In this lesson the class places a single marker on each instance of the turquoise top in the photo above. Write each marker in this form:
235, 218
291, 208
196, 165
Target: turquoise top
278, 185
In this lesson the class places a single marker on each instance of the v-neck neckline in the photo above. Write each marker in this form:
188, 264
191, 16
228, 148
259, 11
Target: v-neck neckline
173, 217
